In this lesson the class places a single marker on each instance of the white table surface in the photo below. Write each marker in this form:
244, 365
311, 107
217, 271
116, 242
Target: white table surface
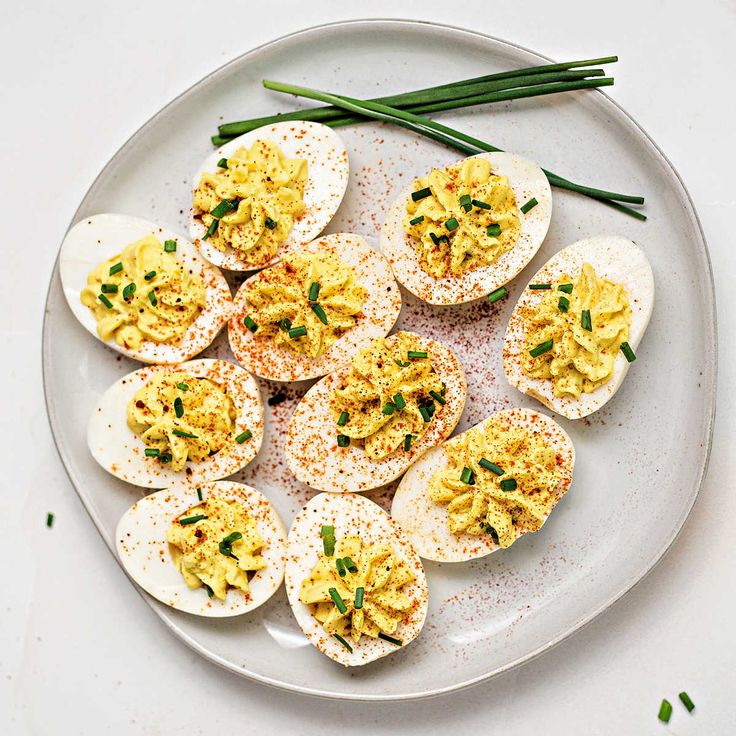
80, 652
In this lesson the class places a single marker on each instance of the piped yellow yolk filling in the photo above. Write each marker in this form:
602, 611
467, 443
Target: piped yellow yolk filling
580, 359
144, 293
461, 218
251, 205
216, 544
517, 493
390, 396
311, 293
181, 417
370, 589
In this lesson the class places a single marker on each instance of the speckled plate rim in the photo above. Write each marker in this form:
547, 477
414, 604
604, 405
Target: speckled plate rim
709, 373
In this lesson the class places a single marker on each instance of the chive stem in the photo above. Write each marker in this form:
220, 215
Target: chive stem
498, 294
665, 711
343, 642
328, 539
338, 600
685, 700
244, 436
359, 593
542, 348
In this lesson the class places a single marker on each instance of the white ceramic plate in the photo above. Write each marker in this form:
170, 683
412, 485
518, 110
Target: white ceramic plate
640, 460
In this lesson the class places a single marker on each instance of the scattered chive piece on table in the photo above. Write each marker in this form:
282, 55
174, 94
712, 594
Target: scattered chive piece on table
313, 291
585, 320
170, 246
417, 220
343, 642
328, 539
421, 194
321, 316
493, 230
389, 639
340, 567
149, 275
567, 288
222, 163
467, 476
530, 205
105, 300
563, 304
508, 484
488, 465
225, 206
199, 493
388, 408
417, 354
481, 205
337, 600
151, 452
296, 332
452, 224
211, 230
437, 397
343, 419
628, 352
109, 288
665, 711
359, 593
187, 435
152, 298
538, 287
497, 295
343, 440
542, 348
407, 443
178, 407
182, 386
50, 523
117, 268
270, 224
399, 401
350, 566
684, 698
128, 291
243, 436
192, 519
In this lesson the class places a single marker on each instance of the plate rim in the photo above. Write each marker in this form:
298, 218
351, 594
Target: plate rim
709, 390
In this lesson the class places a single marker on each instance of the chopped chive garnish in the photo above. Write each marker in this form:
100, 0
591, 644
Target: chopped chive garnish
407, 442
684, 697
109, 288
117, 268
188, 435
417, 220
250, 324
430, 407
199, 493
467, 476
105, 300
152, 298
321, 316
192, 519
149, 275
421, 194
182, 386
285, 324
128, 291
243, 436
585, 320
665, 711
400, 363
165, 458
444, 389
343, 419
417, 354
542, 348
343, 642
494, 534
388, 408
170, 246
337, 600
211, 230
296, 332
628, 352
178, 407
350, 566
389, 639
151, 452
567, 288
359, 593
222, 163
50, 523
488, 465
530, 205
497, 295
225, 206
538, 287
426, 415
399, 400
481, 205
438, 397
226, 545
452, 224
493, 230
328, 539
465, 202
270, 224
343, 440
435, 239
210, 592
508, 484
563, 304
313, 291
340, 567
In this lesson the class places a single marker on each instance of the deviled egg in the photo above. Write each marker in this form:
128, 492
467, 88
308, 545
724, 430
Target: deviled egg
142, 289
484, 488
464, 231
222, 545
267, 193
198, 421
364, 424
577, 325
308, 314
355, 583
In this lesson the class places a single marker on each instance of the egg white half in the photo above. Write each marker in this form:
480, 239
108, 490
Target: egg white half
350, 514
328, 169
96, 239
614, 258
121, 452
526, 180
379, 313
311, 447
425, 522
143, 549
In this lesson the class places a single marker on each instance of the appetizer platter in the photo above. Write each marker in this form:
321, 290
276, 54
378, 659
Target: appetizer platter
365, 406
